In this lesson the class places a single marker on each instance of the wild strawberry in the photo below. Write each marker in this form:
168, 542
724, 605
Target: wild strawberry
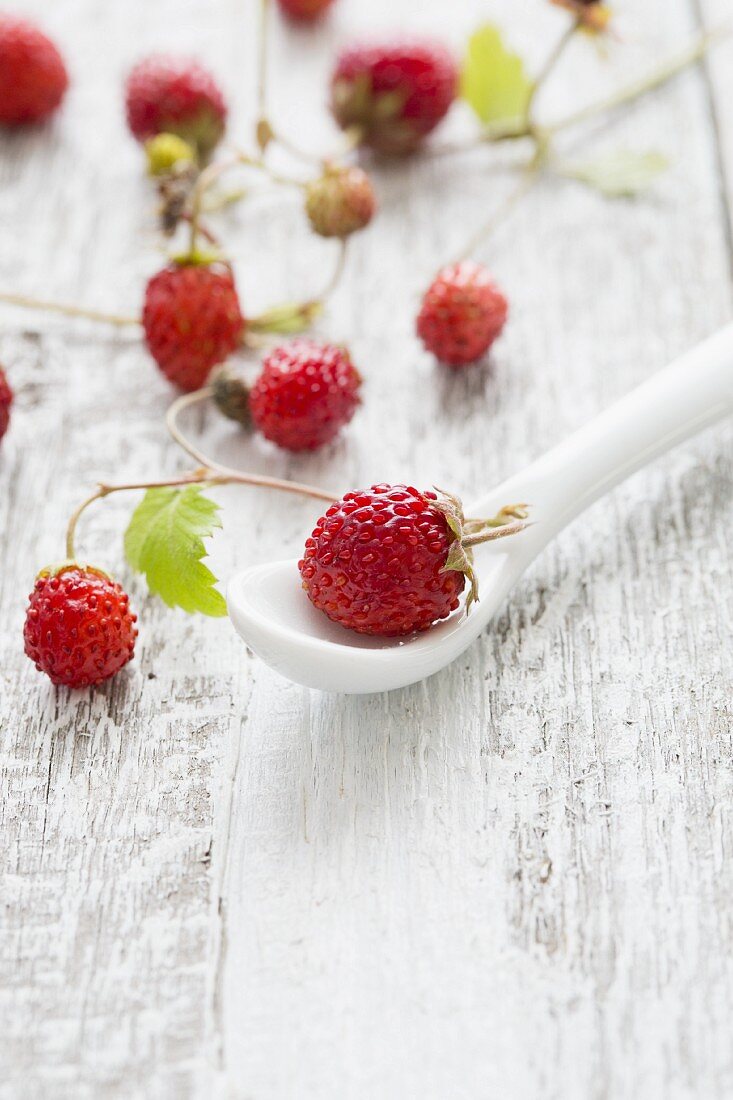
394, 94
79, 629
6, 400
175, 96
305, 394
304, 11
391, 560
462, 314
33, 76
192, 320
340, 202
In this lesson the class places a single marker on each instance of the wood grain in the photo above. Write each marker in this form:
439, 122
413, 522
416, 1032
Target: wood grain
511, 880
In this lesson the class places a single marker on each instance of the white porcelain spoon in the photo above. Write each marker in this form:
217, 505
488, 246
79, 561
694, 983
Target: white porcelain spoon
274, 616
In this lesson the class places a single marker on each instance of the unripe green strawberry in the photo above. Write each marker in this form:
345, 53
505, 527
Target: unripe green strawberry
340, 202
231, 395
165, 151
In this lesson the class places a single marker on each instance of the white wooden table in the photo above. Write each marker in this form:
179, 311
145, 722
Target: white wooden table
514, 880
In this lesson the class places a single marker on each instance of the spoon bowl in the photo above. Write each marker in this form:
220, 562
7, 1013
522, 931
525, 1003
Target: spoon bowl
269, 609
272, 613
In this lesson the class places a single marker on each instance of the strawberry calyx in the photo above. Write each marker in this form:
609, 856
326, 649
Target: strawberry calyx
71, 565
288, 318
356, 100
199, 257
468, 533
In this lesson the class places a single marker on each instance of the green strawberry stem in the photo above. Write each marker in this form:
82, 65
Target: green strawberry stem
504, 523
293, 317
507, 514
286, 319
26, 302
493, 533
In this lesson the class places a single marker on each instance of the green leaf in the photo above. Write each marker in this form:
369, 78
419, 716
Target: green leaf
622, 174
165, 542
493, 80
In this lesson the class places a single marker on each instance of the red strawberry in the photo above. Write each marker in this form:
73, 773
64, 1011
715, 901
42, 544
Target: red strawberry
33, 76
175, 96
192, 320
79, 629
340, 202
462, 314
305, 394
6, 400
391, 560
376, 562
395, 93
304, 11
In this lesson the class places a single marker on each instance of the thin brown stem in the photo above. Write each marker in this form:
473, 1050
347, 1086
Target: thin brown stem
104, 490
477, 141
549, 67
264, 130
71, 529
207, 178
352, 138
228, 473
292, 317
249, 161
171, 422
528, 180
641, 87
26, 302
202, 229
337, 272
295, 151
221, 201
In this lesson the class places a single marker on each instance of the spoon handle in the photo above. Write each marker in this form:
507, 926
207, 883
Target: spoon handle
691, 394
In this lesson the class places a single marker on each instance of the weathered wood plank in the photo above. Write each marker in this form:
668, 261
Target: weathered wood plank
511, 880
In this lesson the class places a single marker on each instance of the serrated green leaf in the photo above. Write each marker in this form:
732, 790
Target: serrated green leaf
622, 174
165, 542
493, 79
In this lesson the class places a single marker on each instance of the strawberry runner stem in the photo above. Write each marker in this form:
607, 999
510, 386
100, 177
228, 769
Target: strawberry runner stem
264, 130
542, 136
205, 180
528, 180
26, 302
213, 474
548, 68
228, 473
635, 90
